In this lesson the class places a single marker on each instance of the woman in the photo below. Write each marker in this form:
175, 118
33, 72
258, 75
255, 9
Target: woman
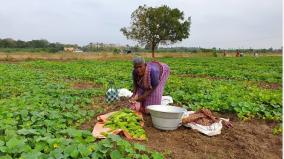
149, 80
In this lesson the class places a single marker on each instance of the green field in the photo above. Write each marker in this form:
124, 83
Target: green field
41, 111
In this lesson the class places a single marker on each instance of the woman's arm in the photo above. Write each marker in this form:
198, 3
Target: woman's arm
134, 78
134, 91
144, 95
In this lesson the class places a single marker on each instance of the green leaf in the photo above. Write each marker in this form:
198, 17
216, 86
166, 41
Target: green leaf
74, 153
31, 155
45, 139
6, 157
10, 133
115, 154
69, 149
90, 139
27, 131
83, 150
40, 146
145, 157
15, 145
96, 155
114, 137
3, 149
57, 153
157, 155
102, 149
139, 147
107, 143
137, 155
2, 143
74, 133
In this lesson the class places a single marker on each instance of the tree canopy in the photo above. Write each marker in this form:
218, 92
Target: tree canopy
161, 25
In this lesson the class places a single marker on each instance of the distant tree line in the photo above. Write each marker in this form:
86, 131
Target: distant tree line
100, 47
42, 45
10, 45
215, 50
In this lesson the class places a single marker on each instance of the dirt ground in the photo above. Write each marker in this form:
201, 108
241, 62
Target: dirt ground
267, 85
247, 139
66, 56
85, 85
14, 57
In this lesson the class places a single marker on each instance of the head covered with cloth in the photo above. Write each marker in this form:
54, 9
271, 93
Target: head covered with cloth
149, 79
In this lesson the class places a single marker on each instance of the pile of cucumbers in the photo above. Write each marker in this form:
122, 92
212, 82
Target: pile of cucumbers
126, 120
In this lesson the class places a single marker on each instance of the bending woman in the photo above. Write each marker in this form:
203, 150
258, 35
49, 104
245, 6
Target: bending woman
149, 80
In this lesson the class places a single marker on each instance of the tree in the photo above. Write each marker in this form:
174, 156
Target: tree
38, 43
55, 47
8, 43
20, 44
135, 48
154, 26
149, 47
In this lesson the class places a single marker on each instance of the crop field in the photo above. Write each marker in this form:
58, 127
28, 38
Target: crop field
42, 106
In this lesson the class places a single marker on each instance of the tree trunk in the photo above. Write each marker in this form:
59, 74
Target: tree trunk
153, 50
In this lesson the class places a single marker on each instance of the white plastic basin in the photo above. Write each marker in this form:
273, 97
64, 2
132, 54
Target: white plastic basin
166, 117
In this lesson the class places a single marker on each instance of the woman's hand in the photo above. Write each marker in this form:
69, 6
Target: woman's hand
133, 100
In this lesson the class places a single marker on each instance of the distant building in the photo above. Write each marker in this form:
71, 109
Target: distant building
72, 49
69, 49
78, 50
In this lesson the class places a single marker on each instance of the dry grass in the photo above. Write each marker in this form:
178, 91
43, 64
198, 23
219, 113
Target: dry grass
81, 56
26, 56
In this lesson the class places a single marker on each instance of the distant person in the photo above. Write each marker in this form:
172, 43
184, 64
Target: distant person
238, 53
225, 53
149, 80
242, 54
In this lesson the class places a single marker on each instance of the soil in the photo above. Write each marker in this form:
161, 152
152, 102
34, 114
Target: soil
247, 139
26, 56
85, 85
267, 85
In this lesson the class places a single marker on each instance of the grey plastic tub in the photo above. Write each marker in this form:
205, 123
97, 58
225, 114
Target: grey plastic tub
166, 117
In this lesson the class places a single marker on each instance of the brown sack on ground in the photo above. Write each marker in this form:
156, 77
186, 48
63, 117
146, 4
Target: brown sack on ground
203, 117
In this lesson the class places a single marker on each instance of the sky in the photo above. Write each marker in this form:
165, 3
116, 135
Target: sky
215, 23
